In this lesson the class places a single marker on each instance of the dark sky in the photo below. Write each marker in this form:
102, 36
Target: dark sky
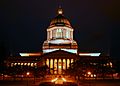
24, 23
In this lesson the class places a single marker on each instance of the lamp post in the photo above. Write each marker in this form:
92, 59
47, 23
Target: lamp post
89, 74
28, 73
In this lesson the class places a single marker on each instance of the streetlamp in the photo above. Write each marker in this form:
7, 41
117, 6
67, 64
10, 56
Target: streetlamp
28, 73
89, 74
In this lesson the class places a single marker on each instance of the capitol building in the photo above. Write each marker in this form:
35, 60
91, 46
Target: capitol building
59, 50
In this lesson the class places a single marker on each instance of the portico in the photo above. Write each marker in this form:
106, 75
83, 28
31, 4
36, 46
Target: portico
59, 61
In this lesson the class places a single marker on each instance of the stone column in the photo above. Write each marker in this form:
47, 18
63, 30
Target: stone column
64, 33
71, 34
53, 66
57, 66
70, 62
62, 66
66, 63
50, 34
49, 65
45, 62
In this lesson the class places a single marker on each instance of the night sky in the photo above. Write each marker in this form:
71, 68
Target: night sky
95, 22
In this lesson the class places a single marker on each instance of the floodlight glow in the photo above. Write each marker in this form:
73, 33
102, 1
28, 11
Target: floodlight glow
89, 73
60, 12
89, 54
49, 50
29, 54
94, 75
64, 79
70, 50
28, 73
54, 80
60, 41
24, 54
63, 27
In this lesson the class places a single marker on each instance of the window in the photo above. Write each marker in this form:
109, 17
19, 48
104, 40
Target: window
59, 33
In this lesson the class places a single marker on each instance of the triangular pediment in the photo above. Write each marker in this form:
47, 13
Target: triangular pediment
60, 54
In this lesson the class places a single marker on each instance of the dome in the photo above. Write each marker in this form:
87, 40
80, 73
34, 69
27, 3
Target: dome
60, 20
60, 35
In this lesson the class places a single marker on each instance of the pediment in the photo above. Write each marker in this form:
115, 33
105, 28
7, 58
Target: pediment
60, 54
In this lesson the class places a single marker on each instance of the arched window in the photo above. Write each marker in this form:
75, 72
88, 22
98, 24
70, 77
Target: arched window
59, 33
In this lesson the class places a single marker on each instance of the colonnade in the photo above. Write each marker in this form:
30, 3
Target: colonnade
57, 66
60, 33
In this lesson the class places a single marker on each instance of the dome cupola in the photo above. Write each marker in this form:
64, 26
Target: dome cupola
60, 35
60, 20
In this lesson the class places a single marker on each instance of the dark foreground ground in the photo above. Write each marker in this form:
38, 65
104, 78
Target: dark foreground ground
99, 83
16, 83
81, 83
